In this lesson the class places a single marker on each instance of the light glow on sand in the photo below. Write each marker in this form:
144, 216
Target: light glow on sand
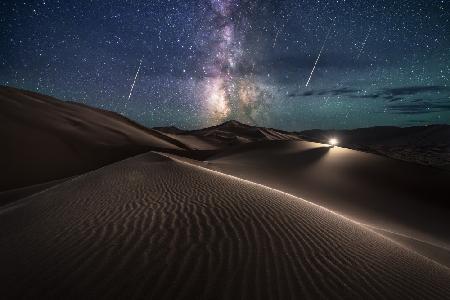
333, 142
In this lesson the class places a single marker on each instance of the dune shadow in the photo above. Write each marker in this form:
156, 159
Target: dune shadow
307, 157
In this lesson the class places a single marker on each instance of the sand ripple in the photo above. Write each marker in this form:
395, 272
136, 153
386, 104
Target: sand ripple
151, 227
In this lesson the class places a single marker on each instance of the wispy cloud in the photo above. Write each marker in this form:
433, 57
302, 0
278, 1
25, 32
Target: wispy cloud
397, 94
325, 92
419, 108
400, 100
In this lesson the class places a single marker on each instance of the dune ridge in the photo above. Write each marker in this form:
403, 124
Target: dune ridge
47, 139
425, 145
155, 227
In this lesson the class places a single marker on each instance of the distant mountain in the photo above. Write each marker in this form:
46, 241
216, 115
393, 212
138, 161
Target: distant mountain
427, 145
227, 134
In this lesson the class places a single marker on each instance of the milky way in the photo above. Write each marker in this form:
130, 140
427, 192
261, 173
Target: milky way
229, 91
224, 54
385, 62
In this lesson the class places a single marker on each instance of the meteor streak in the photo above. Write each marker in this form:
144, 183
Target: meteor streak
279, 30
134, 82
318, 57
276, 37
364, 43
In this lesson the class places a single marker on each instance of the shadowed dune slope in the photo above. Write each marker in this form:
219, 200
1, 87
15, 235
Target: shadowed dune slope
403, 197
152, 227
44, 139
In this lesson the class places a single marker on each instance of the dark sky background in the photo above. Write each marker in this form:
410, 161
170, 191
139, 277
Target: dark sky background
200, 62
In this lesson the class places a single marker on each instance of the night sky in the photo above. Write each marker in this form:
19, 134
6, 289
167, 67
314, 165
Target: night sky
287, 64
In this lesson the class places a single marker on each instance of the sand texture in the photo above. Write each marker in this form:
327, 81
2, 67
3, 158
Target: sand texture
157, 228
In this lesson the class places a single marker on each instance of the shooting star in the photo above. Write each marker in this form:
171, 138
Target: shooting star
318, 57
276, 37
279, 30
134, 82
364, 43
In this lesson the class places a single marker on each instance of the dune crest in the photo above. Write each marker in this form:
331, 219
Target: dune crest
47, 139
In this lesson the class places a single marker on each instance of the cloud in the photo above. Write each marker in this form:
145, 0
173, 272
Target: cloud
397, 94
419, 108
401, 100
414, 90
388, 94
329, 92
373, 96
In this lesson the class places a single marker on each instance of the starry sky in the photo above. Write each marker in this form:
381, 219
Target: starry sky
288, 64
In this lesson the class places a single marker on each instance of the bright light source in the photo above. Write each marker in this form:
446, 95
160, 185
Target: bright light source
333, 142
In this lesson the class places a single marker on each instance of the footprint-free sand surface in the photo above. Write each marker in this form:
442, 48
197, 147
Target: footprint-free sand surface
157, 228
400, 197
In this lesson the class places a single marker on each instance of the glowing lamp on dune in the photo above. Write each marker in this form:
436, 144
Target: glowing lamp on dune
333, 142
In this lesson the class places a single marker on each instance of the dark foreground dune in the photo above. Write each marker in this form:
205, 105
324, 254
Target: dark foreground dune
44, 139
152, 227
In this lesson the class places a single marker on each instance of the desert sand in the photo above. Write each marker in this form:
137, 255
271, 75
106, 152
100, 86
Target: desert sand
230, 211
154, 227
425, 145
45, 139
405, 198
222, 136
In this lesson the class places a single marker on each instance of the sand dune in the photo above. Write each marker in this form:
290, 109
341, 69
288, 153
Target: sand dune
402, 197
152, 227
44, 139
164, 227
426, 145
47, 139
224, 135
9, 196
